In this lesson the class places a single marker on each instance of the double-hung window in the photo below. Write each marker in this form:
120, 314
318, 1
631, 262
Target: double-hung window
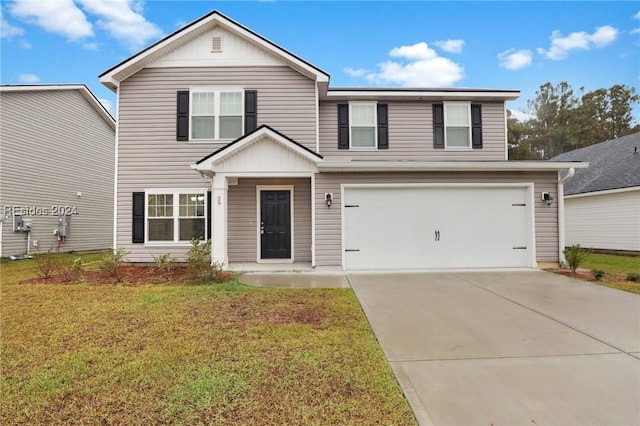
363, 124
457, 120
176, 216
216, 113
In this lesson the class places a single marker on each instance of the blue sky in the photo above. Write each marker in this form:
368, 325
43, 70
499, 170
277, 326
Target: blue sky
485, 44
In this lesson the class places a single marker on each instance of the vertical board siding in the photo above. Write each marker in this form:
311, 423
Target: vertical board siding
411, 134
55, 144
606, 221
243, 218
328, 220
149, 155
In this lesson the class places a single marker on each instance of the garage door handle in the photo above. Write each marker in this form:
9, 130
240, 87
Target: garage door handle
346, 250
437, 235
520, 248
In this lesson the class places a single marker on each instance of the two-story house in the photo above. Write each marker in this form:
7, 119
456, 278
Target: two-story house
223, 134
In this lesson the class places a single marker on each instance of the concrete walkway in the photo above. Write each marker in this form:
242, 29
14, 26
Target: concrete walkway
500, 348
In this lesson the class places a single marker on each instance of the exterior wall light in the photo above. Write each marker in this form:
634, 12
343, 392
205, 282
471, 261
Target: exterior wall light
328, 198
547, 198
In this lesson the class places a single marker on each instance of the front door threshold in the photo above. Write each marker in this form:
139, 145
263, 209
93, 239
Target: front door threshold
271, 267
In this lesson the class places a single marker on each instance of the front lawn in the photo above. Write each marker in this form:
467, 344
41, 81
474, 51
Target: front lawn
617, 270
169, 353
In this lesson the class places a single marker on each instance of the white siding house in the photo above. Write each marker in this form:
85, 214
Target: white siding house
57, 147
602, 203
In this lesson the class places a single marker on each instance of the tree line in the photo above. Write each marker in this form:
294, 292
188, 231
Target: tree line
561, 121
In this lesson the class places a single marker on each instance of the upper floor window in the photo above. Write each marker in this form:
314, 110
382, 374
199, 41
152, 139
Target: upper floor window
363, 125
216, 113
457, 125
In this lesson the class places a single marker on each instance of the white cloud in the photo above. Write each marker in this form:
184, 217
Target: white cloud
451, 46
59, 17
417, 65
7, 30
108, 105
123, 20
120, 19
637, 15
561, 46
515, 59
355, 73
521, 116
28, 78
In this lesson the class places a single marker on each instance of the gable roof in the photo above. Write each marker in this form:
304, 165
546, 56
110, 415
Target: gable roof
113, 76
613, 164
82, 88
251, 138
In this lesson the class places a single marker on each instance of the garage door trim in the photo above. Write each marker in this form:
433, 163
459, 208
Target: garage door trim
528, 186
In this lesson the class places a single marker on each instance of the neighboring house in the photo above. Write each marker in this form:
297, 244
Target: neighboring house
602, 203
224, 134
57, 146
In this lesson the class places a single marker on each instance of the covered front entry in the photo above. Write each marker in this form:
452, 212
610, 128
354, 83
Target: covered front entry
438, 226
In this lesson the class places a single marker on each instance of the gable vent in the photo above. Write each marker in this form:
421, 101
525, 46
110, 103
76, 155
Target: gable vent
216, 44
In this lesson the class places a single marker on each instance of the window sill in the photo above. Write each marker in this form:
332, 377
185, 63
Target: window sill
461, 149
363, 149
168, 244
203, 141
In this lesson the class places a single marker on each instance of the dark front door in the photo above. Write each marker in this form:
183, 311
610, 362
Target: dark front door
275, 225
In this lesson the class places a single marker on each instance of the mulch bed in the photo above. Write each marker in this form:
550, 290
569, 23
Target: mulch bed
586, 275
131, 275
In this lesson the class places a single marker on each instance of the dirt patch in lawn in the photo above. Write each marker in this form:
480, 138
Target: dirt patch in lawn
131, 275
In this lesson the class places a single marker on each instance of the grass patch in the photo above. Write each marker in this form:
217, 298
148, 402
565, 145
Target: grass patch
180, 354
613, 264
616, 270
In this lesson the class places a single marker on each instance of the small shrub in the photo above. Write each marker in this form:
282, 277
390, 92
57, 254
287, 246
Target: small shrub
598, 274
199, 262
72, 270
112, 264
574, 256
46, 263
632, 276
164, 262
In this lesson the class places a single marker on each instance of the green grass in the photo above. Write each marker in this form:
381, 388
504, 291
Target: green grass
615, 266
620, 265
220, 354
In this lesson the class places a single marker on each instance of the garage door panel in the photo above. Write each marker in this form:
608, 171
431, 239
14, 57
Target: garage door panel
443, 227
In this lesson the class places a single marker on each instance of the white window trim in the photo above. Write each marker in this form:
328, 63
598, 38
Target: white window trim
444, 112
176, 217
375, 127
216, 90
259, 189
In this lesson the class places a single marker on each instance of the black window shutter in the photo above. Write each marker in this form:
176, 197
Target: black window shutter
250, 111
343, 126
209, 222
137, 229
383, 126
182, 119
438, 126
476, 126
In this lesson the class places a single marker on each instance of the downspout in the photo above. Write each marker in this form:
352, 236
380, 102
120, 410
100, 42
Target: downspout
561, 241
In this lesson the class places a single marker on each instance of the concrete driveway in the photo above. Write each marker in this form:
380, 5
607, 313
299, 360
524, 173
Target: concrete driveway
508, 348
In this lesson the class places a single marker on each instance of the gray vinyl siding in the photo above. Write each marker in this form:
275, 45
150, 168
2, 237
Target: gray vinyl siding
328, 220
149, 155
243, 218
411, 134
53, 145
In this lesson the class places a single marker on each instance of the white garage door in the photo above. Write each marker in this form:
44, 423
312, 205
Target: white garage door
418, 227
